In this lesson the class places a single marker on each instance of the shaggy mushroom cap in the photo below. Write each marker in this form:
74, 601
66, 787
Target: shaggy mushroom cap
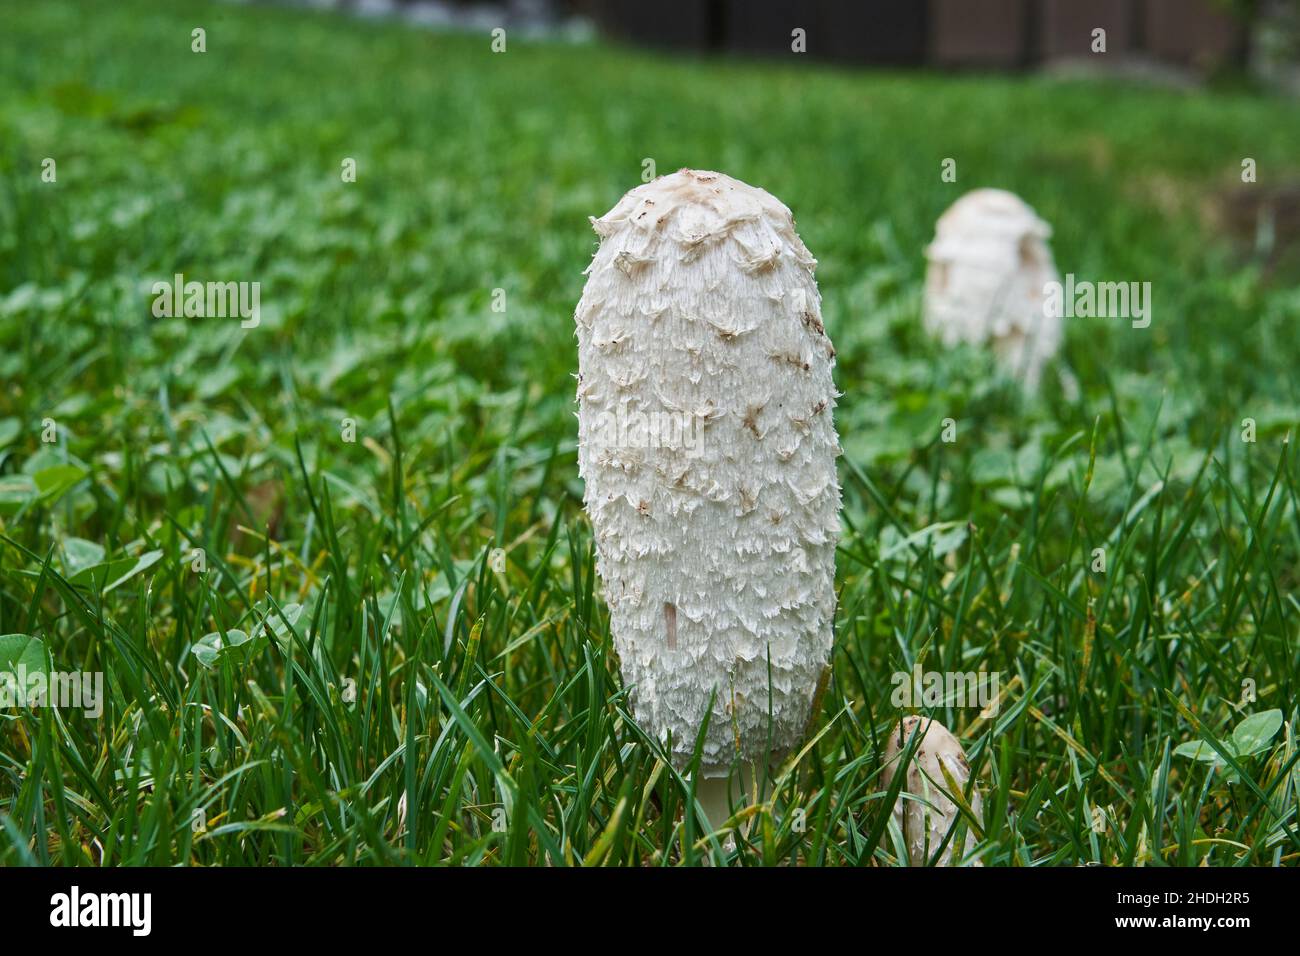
989, 264
924, 812
707, 449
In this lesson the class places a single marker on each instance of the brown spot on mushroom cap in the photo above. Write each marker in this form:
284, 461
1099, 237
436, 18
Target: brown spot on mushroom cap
810, 319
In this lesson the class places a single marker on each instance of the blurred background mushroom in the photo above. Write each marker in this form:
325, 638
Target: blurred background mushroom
989, 265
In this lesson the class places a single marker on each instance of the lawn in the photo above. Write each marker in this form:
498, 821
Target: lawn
332, 486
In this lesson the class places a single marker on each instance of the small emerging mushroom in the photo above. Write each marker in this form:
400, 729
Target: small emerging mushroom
923, 810
707, 450
989, 265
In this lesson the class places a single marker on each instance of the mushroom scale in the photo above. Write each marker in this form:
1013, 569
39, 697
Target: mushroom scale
707, 449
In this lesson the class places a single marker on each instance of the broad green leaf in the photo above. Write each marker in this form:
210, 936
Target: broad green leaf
141, 564
1197, 750
1011, 498
292, 612
992, 466
18, 300
1255, 732
79, 554
1250, 737
21, 651
212, 648
109, 574
942, 538
16, 492
948, 541
53, 483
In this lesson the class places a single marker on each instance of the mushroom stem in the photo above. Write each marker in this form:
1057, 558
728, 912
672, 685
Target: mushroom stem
747, 786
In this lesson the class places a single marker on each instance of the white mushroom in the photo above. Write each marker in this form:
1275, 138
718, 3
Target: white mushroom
989, 265
924, 811
708, 453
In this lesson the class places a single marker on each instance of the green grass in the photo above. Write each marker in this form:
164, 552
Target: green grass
486, 697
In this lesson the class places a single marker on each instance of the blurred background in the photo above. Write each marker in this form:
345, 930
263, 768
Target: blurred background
1177, 41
